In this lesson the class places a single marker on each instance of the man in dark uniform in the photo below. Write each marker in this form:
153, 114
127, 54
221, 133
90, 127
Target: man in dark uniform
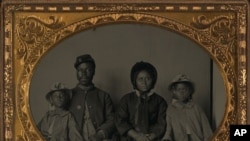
93, 108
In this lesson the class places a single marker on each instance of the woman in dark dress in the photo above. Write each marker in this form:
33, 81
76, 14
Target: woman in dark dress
141, 114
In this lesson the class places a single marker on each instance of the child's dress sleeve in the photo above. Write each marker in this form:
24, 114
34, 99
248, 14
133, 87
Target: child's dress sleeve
169, 131
207, 131
43, 126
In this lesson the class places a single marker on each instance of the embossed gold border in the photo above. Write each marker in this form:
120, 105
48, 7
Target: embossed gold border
30, 28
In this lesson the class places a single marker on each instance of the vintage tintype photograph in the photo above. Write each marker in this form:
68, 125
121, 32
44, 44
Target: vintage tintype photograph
105, 70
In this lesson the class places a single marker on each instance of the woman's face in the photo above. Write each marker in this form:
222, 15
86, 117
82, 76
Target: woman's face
144, 81
181, 92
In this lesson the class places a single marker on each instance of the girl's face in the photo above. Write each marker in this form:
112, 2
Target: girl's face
181, 92
58, 99
144, 81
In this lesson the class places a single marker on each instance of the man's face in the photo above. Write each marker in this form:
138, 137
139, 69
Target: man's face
85, 73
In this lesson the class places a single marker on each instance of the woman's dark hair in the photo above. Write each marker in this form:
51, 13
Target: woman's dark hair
143, 66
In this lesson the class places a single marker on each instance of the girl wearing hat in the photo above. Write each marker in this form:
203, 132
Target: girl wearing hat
58, 124
141, 113
186, 120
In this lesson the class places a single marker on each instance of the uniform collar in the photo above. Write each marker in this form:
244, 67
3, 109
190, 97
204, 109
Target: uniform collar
85, 88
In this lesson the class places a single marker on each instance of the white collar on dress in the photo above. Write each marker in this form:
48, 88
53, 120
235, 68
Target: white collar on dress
178, 104
151, 92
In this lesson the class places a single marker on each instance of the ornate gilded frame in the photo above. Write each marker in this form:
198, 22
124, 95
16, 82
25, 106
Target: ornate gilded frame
30, 28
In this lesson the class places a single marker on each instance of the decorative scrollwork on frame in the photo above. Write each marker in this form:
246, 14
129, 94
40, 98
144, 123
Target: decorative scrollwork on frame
31, 30
8, 104
22, 137
242, 96
222, 28
241, 10
48, 34
243, 77
222, 31
8, 95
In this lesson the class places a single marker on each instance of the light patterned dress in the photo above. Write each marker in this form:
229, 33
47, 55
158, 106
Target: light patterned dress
59, 125
187, 122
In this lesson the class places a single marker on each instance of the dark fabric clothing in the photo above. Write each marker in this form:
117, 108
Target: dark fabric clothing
59, 125
100, 108
144, 115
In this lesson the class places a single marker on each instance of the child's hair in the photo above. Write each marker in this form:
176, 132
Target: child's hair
182, 78
60, 87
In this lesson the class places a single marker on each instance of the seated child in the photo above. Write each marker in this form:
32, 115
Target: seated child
59, 124
186, 121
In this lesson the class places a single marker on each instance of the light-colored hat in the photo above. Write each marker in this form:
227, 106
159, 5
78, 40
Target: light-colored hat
57, 87
181, 78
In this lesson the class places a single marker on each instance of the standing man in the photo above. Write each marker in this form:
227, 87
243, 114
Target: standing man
93, 108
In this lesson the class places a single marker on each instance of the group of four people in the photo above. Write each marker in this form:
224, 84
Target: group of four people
86, 113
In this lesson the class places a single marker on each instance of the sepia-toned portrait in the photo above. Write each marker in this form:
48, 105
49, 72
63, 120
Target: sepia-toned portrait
106, 70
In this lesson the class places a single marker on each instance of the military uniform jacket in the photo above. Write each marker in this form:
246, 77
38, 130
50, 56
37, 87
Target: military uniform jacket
99, 105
